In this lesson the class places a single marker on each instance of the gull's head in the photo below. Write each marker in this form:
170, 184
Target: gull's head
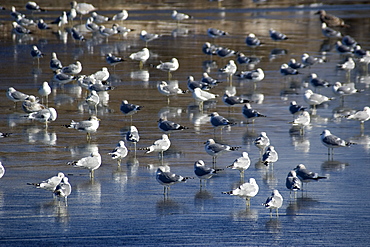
252, 35
214, 114
325, 133
143, 32
210, 141
60, 175
300, 166
308, 92
293, 102
245, 155
252, 181
199, 163
284, 66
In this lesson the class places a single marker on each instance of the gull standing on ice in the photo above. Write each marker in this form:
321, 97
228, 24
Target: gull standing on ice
253, 75
63, 189
73, 69
246, 190
270, 156
141, 56
306, 175
32, 105
168, 126
361, 116
314, 99
302, 120
330, 20
276, 35
331, 141
292, 182
16, 96
242, 163
215, 149
119, 152
147, 37
219, 121
44, 115
275, 201
262, 142
252, 40
128, 108
294, 108
250, 113
133, 136
180, 16
160, 145
55, 63
329, 32
91, 162
171, 66
200, 96
203, 172
89, 126
169, 90
230, 69
51, 183
44, 91
165, 177
121, 16
215, 33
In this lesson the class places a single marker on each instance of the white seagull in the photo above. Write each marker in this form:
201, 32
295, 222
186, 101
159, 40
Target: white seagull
242, 163
262, 142
275, 201
51, 183
89, 126
63, 189
246, 190
91, 162
331, 141
119, 152
165, 177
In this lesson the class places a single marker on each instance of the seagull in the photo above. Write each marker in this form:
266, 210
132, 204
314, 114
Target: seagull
180, 16
44, 115
308, 60
90, 25
275, 201
250, 113
330, 20
36, 53
106, 32
225, 52
343, 49
73, 69
209, 80
331, 141
49, 184
113, 60
270, 156
32, 105
91, 162
82, 8
361, 116
93, 100
61, 20
121, 16
203, 172
196, 84
171, 66
2, 170
55, 63
262, 142
89, 126
242, 58
76, 35
246, 190
42, 25
215, 33
129, 109
314, 99
20, 30
294, 108
63, 189
141, 56
345, 89
252, 40
349, 41
318, 82
99, 18
242, 163
303, 119
215, 149
168, 90
306, 175
147, 37
165, 177
329, 32
168, 126
219, 121
347, 65
294, 64
33, 6
2, 135
133, 136
231, 100
16, 96
276, 35
209, 49
292, 182
101, 75
72, 14
160, 145
61, 78
200, 96
253, 75
119, 152
286, 70
230, 69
